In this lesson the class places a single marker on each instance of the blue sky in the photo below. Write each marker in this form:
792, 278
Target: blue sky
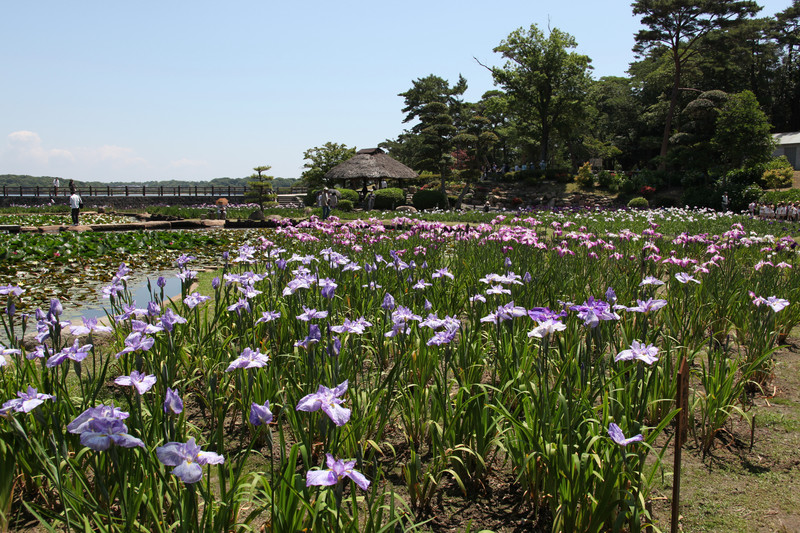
99, 90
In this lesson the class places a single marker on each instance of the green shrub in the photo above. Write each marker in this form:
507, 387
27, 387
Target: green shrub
774, 197
639, 203
388, 199
778, 178
348, 194
429, 199
345, 205
585, 178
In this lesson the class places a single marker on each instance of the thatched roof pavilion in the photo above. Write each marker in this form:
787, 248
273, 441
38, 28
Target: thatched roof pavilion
370, 164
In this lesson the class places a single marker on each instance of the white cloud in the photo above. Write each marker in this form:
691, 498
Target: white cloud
26, 146
26, 153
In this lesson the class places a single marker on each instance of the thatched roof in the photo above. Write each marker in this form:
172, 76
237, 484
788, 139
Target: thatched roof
371, 163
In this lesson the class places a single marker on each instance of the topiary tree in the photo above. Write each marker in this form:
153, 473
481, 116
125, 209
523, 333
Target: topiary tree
260, 187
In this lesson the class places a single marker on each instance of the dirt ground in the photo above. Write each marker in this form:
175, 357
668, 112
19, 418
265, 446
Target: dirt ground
736, 488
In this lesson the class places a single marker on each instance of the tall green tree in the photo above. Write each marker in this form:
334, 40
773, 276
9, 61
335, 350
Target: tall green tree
321, 159
545, 80
786, 33
679, 26
437, 106
743, 132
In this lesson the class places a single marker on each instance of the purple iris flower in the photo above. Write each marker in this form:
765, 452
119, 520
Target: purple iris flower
171, 318
248, 359
215, 283
617, 436
645, 353
145, 328
611, 296
650, 280
161, 282
442, 273
683, 277
172, 402
138, 380
241, 305
187, 275
184, 259
547, 327
75, 352
100, 433
314, 336
89, 325
593, 311
337, 469
645, 306
329, 401
355, 326
136, 341
311, 314
444, 336
260, 414
188, 459
153, 309
5, 290
327, 287
195, 299
55, 307
26, 401
81, 422
388, 302
269, 316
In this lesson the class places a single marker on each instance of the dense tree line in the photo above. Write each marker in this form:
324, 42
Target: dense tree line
17, 180
710, 82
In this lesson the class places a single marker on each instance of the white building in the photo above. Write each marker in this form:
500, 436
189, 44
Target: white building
788, 144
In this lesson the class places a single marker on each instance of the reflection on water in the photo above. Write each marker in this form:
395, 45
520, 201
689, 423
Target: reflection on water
94, 305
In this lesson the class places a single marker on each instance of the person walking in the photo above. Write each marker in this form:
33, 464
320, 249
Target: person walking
75, 203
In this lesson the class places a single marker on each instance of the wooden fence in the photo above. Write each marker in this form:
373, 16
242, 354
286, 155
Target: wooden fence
143, 190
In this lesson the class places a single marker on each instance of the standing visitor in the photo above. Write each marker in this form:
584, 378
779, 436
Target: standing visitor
333, 200
322, 201
71, 187
370, 201
75, 204
55, 186
725, 201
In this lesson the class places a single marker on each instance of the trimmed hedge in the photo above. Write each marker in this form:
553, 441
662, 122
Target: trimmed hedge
639, 203
389, 199
429, 199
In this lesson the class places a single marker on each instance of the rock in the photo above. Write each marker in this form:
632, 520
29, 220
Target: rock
407, 209
256, 215
101, 210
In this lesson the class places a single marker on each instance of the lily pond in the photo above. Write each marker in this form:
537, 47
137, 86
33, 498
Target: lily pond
342, 376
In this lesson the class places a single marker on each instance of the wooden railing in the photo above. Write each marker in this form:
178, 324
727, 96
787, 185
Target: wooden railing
142, 190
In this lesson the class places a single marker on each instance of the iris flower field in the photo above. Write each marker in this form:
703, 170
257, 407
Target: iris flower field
359, 376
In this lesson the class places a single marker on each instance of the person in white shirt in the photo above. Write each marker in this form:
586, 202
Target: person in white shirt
75, 204
55, 186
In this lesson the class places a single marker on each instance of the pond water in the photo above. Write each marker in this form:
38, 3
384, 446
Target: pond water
95, 305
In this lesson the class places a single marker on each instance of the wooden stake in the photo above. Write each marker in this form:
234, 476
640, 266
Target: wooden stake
682, 403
